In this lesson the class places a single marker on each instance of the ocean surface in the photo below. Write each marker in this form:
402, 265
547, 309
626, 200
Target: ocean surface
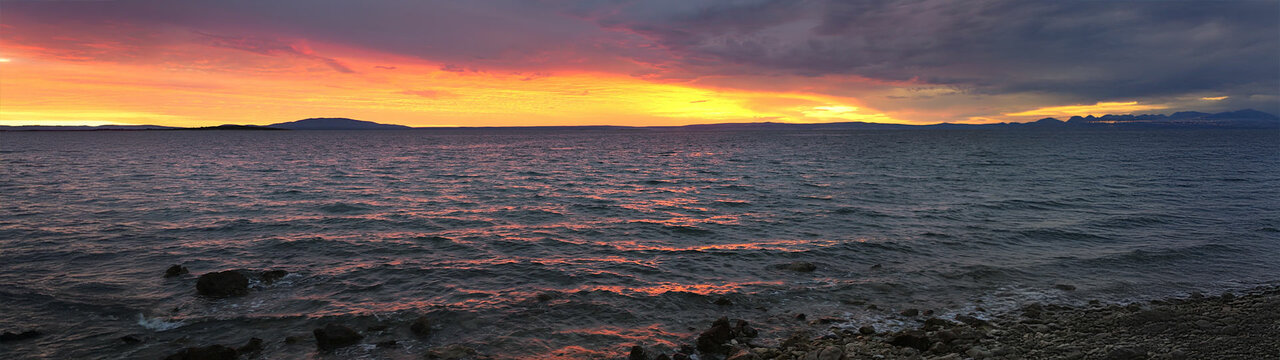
579, 244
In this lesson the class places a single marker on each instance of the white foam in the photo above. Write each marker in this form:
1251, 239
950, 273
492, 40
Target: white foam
158, 324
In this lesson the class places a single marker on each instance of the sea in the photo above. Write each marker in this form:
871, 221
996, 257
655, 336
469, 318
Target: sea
580, 243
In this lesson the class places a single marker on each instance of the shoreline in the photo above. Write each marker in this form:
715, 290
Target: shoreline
1226, 326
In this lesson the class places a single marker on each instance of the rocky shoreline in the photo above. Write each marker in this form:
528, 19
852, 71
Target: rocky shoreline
1195, 327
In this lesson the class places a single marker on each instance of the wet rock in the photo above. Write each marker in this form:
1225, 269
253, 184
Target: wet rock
877, 267
29, 334
662, 357
211, 352
375, 328
175, 270
334, 336
867, 330
910, 312
712, 340
742, 330
679, 356
223, 284
936, 323
743, 354
293, 339
972, 321
799, 266
637, 353
1064, 287
421, 326
800, 317
451, 352
796, 340
387, 344
271, 276
254, 345
915, 339
829, 353
1033, 310
131, 339
723, 301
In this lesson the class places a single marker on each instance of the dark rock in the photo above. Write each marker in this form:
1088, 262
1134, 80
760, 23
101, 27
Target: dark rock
972, 321
131, 339
292, 339
1065, 287
387, 344
742, 330
799, 266
928, 312
797, 340
223, 284
723, 301
376, 328
1228, 296
421, 326
544, 297
1033, 310
712, 340
936, 323
334, 336
662, 357
913, 338
637, 353
679, 356
175, 270
29, 334
743, 354
867, 330
876, 267
800, 317
271, 276
686, 349
910, 312
211, 352
254, 345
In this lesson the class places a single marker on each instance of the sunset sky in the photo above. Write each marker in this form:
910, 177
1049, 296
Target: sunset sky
617, 62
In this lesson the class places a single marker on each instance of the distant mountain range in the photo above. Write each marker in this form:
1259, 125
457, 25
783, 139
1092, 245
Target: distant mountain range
1242, 119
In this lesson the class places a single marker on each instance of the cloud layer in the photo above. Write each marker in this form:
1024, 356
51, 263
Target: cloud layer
921, 58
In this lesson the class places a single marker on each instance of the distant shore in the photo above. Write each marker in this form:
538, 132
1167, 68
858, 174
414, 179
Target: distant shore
1227, 326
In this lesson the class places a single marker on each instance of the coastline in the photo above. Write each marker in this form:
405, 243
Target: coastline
1226, 326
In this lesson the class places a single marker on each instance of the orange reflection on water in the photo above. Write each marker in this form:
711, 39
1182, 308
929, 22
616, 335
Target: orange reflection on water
669, 287
773, 245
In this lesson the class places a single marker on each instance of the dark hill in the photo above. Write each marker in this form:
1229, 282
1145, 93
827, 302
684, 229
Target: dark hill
335, 124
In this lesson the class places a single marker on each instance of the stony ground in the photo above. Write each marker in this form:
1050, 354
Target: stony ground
1198, 327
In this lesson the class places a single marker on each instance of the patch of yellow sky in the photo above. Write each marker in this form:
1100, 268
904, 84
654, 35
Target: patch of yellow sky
221, 86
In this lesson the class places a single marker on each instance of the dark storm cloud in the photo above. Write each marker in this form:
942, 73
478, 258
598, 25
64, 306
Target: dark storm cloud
1074, 50
1094, 49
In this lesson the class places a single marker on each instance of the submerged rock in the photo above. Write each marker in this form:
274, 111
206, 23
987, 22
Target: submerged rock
334, 336
421, 326
254, 345
131, 339
387, 344
723, 301
29, 334
176, 270
223, 284
211, 352
1064, 287
637, 353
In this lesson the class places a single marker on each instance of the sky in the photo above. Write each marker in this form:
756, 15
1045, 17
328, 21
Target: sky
621, 62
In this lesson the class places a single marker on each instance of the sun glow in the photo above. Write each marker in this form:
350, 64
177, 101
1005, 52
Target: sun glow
203, 85
1101, 108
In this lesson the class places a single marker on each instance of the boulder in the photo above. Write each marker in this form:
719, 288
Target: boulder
254, 345
334, 336
913, 338
637, 353
867, 330
421, 326
176, 270
211, 352
223, 284
712, 340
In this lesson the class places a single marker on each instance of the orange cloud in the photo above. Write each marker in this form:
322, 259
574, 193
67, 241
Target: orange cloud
1101, 108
